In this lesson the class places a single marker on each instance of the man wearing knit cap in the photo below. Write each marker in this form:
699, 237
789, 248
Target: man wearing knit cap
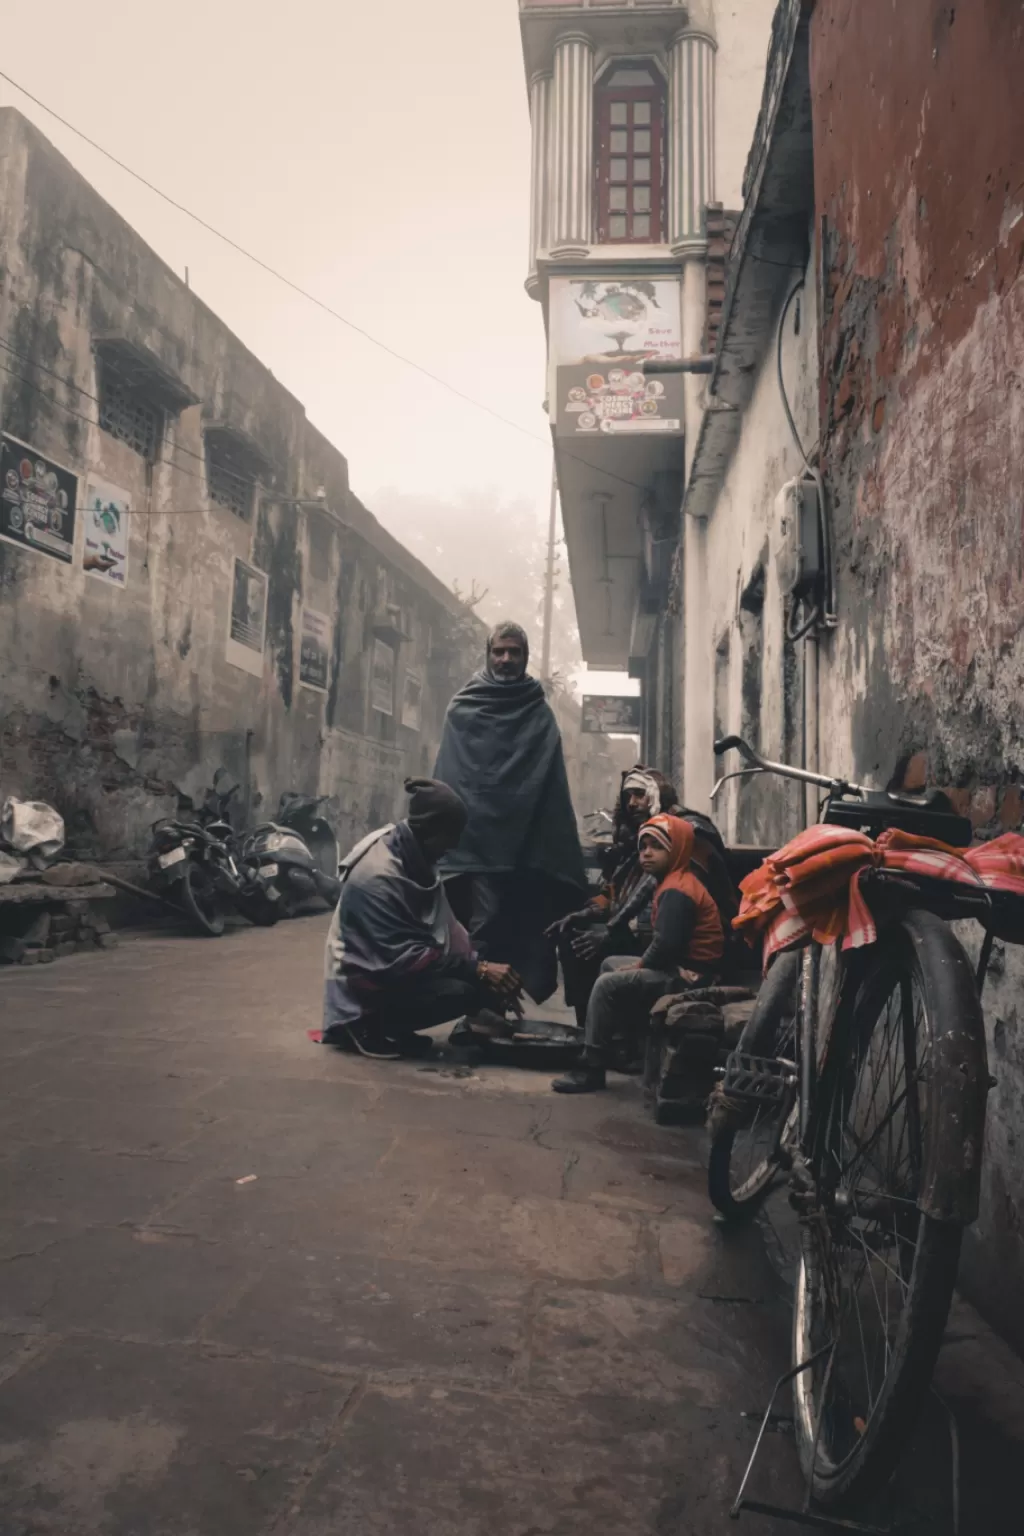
397, 961
519, 864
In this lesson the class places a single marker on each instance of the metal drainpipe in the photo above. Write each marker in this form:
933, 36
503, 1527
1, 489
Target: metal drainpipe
810, 753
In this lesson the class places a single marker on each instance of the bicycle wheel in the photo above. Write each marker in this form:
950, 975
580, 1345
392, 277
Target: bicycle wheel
744, 1155
876, 1275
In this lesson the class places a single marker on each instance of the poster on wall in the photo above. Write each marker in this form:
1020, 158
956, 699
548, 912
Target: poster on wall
38, 501
382, 683
315, 650
105, 533
602, 333
248, 619
604, 712
615, 323
412, 699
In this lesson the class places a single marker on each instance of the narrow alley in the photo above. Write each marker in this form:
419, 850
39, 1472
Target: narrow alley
253, 1286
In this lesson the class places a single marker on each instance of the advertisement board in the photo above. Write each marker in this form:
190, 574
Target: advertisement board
247, 622
38, 501
105, 517
412, 698
315, 650
611, 712
601, 335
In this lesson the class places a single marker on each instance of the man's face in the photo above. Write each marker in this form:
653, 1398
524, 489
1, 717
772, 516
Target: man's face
439, 841
636, 806
508, 660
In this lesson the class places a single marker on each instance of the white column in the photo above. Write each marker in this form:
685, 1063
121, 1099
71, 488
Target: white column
540, 174
698, 670
691, 160
572, 146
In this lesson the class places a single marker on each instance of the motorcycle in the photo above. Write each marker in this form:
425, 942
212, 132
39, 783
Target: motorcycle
197, 864
288, 864
302, 814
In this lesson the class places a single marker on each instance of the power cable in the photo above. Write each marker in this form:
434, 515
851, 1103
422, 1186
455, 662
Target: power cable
303, 292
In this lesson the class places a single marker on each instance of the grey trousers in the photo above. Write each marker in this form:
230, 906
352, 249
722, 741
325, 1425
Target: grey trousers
622, 1000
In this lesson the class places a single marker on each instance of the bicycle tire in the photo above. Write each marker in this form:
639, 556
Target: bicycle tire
919, 954
739, 1200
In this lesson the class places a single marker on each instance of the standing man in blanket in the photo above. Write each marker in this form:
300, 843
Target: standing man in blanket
519, 866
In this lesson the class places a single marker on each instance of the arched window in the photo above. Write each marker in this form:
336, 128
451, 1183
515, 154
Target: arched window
629, 113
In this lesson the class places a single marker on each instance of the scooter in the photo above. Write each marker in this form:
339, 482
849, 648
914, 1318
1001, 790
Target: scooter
287, 865
302, 813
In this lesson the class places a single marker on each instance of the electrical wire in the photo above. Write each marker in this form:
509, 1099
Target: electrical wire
304, 292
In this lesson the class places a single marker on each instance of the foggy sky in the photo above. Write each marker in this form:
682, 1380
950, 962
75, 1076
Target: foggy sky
376, 154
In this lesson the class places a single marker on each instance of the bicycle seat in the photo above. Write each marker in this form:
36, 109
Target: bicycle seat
929, 815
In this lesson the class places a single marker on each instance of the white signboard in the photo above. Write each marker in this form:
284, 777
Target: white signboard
412, 697
105, 548
614, 322
247, 623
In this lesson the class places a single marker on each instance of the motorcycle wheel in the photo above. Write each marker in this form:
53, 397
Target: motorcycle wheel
200, 901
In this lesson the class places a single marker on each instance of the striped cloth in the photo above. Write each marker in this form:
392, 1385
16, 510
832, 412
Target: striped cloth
810, 889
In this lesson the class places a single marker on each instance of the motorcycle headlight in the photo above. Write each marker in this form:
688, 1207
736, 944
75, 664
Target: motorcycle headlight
273, 842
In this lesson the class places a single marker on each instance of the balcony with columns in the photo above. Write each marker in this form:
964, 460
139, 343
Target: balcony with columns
622, 114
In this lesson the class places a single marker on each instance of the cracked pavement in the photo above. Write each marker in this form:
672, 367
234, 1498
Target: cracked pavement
249, 1285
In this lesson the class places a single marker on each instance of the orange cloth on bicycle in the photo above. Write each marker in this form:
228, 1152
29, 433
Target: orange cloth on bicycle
676, 836
810, 889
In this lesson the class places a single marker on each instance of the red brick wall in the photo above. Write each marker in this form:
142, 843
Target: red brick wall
919, 170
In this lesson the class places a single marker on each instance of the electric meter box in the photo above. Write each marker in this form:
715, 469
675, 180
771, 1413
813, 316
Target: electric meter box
798, 557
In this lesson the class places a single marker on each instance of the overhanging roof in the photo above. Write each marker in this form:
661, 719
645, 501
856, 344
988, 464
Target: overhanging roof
769, 251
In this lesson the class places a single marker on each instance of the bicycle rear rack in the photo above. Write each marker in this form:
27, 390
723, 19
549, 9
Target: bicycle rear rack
762, 1080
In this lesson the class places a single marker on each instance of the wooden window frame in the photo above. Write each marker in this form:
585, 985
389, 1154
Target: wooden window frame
604, 96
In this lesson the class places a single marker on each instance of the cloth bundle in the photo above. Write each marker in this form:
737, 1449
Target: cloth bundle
810, 889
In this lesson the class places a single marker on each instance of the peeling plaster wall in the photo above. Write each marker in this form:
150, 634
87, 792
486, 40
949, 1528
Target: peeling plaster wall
757, 682
112, 703
919, 171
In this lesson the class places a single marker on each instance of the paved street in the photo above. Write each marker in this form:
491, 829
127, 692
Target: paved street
254, 1286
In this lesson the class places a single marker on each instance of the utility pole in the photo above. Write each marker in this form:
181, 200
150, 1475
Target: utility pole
549, 582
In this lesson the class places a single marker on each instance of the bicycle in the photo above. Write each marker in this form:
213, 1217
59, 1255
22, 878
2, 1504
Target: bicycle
862, 1075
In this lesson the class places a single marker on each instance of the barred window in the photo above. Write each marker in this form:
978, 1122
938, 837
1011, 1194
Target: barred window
128, 413
234, 468
227, 486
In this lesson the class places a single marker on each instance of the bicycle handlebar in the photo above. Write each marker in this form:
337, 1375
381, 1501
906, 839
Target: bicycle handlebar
783, 770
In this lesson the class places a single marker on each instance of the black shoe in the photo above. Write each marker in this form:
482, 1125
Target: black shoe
581, 1080
369, 1041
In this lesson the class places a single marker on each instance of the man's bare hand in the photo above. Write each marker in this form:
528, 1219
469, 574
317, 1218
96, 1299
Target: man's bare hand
570, 921
501, 977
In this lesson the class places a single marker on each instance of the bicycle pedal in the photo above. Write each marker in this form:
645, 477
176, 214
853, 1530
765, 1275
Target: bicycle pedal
760, 1079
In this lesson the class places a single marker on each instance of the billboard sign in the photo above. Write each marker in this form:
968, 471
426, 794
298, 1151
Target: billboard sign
611, 712
315, 650
105, 541
247, 624
601, 335
38, 501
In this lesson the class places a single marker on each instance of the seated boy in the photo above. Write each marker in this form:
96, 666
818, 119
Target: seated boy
686, 948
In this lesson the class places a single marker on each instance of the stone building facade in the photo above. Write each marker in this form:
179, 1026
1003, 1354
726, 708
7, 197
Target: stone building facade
256, 616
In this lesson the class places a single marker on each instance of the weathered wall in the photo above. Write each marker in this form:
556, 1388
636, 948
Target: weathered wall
919, 170
754, 675
742, 28
114, 702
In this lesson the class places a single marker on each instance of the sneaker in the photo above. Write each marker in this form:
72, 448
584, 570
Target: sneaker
581, 1080
368, 1041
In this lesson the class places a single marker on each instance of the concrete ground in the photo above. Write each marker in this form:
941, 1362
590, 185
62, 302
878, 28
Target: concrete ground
249, 1285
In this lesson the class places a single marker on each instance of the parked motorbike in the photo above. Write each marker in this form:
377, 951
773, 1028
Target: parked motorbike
288, 865
302, 813
198, 864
